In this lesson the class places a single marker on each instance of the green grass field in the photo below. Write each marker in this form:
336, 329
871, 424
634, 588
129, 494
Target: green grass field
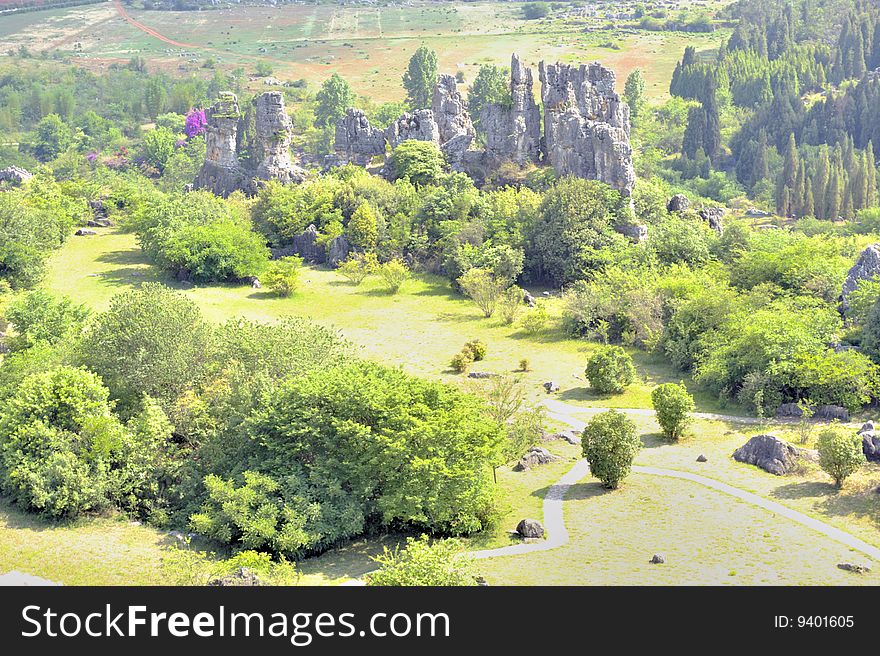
369, 46
707, 536
420, 328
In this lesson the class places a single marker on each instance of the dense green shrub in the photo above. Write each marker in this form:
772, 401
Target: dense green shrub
393, 274
282, 275
575, 236
462, 361
424, 563
356, 444
840, 453
610, 370
478, 349
40, 317
151, 341
610, 443
673, 406
358, 267
63, 452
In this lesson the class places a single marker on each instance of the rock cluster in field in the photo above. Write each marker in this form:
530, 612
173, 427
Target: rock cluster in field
585, 127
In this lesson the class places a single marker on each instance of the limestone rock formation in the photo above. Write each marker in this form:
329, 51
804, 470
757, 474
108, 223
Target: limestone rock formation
514, 133
418, 125
714, 216
221, 172
306, 245
338, 251
455, 128
356, 140
771, 454
678, 203
586, 125
272, 140
870, 442
865, 268
15, 175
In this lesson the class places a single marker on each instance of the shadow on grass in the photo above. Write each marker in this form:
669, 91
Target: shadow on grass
582, 491
581, 394
351, 560
808, 489
455, 317
655, 440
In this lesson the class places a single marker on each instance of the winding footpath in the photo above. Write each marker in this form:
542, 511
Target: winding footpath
554, 515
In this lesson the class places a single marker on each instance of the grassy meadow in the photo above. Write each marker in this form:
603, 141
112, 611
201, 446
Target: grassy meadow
714, 539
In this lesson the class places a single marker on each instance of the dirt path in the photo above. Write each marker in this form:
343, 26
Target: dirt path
149, 30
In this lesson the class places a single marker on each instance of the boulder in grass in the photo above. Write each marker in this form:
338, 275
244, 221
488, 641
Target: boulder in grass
771, 454
658, 559
535, 456
530, 528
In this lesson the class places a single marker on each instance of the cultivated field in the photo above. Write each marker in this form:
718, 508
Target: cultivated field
368, 46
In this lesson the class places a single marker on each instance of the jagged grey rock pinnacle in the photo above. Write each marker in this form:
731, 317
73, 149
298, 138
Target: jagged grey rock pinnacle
356, 140
514, 133
418, 125
586, 125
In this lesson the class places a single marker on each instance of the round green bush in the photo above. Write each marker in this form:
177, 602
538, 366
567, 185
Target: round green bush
610, 370
673, 406
840, 453
610, 444
461, 362
477, 348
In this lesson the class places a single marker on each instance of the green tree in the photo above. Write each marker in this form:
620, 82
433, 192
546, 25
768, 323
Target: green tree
673, 405
282, 275
421, 77
424, 563
634, 93
610, 370
610, 443
840, 453
575, 237
151, 341
159, 147
155, 96
491, 87
419, 162
334, 98
363, 227
53, 136
483, 288
535, 10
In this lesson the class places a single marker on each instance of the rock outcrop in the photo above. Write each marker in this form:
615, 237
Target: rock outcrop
586, 125
454, 126
530, 528
536, 455
307, 247
272, 140
714, 216
357, 141
418, 125
513, 134
221, 172
678, 203
870, 442
15, 175
771, 454
865, 268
